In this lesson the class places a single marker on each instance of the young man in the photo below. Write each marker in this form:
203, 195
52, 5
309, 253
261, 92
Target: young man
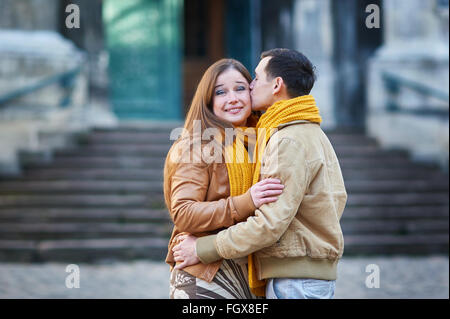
296, 242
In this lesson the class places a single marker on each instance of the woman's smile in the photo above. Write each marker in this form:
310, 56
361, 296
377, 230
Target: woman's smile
234, 110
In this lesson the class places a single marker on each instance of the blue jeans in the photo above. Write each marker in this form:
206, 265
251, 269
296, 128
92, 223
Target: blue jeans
299, 288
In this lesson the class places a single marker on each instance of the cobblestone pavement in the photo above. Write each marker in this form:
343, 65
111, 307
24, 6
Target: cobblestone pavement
399, 277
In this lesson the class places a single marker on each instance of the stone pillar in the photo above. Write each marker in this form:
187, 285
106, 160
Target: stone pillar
313, 37
416, 47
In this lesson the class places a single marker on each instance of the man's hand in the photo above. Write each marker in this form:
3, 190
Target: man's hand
185, 252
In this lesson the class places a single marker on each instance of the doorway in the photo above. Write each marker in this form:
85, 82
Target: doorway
144, 44
203, 42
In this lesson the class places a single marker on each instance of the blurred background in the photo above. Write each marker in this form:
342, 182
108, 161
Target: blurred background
90, 93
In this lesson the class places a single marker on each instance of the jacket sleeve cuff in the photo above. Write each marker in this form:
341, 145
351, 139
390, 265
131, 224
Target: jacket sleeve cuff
244, 205
206, 249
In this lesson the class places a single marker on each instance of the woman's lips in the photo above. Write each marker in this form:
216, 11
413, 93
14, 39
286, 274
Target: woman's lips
234, 110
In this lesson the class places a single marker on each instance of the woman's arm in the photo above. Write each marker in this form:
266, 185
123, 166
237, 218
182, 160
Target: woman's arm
189, 210
191, 213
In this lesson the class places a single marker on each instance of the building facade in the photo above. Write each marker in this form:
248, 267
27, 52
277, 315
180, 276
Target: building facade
145, 57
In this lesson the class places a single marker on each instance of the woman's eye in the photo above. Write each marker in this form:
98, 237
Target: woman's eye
241, 88
220, 92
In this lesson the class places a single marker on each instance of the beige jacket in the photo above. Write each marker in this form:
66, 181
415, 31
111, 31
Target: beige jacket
198, 198
299, 235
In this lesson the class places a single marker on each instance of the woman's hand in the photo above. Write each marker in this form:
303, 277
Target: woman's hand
266, 191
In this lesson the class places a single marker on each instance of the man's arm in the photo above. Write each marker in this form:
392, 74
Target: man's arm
286, 160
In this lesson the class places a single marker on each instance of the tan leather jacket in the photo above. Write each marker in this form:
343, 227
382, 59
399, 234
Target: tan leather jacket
198, 198
299, 235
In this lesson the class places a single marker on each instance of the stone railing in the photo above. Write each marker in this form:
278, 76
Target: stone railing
43, 95
437, 104
65, 79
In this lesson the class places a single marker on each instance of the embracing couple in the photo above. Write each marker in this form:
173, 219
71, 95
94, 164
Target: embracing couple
267, 225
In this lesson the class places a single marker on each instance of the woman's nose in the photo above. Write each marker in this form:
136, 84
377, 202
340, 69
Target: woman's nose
233, 98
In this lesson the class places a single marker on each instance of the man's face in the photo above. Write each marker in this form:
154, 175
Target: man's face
261, 87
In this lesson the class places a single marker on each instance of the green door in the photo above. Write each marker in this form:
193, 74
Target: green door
238, 28
144, 45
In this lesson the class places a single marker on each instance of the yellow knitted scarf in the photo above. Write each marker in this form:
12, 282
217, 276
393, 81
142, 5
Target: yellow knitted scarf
239, 166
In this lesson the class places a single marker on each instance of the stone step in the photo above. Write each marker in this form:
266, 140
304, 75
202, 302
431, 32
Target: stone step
396, 186
160, 153
127, 214
392, 174
82, 201
163, 135
83, 250
74, 215
124, 138
129, 162
157, 200
139, 129
84, 162
398, 162
128, 150
160, 150
42, 231
108, 174
350, 174
351, 151
350, 139
395, 244
395, 227
113, 214
152, 187
410, 199
151, 149
81, 187
401, 212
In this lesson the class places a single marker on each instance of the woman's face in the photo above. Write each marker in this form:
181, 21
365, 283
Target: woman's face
231, 97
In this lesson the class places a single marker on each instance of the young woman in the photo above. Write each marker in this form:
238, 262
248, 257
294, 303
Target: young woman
205, 196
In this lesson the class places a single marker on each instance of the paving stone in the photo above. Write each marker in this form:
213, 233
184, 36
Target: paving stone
400, 277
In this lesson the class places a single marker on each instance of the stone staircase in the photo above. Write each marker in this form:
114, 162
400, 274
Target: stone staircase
104, 200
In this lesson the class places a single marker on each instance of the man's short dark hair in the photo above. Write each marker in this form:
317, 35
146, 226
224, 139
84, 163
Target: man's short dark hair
293, 67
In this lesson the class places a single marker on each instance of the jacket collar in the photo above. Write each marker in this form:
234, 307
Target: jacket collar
292, 123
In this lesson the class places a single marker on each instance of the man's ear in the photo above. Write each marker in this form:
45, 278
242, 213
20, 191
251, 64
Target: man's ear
278, 84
